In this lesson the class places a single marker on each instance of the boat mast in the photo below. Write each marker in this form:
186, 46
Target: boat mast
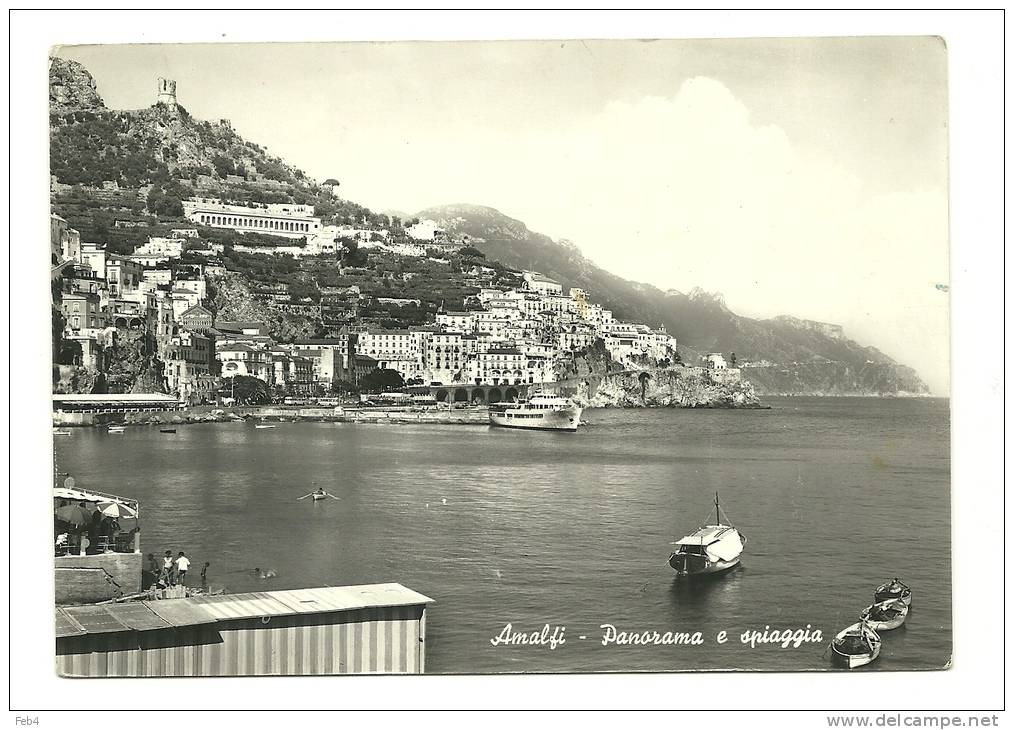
718, 514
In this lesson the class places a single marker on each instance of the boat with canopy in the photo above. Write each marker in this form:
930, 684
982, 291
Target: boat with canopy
710, 549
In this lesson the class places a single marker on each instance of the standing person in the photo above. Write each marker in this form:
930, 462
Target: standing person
167, 567
204, 574
153, 567
182, 566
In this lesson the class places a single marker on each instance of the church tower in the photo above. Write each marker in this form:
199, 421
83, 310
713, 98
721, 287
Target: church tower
165, 91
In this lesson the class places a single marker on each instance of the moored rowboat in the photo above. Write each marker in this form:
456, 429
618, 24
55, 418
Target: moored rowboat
856, 645
893, 589
885, 615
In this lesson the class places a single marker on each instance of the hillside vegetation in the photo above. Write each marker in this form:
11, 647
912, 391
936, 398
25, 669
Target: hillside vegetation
138, 166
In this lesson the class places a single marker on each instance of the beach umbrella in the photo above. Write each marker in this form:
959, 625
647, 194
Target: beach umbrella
74, 514
115, 509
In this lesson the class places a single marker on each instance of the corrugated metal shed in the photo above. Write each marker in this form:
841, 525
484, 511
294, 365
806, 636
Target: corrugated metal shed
314, 631
309, 600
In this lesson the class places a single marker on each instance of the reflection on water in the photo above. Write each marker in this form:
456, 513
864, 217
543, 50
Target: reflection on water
530, 528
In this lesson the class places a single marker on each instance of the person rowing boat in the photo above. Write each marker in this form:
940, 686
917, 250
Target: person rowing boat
319, 493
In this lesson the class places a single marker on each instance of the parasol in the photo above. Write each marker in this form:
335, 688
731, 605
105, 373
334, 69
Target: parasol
74, 514
115, 509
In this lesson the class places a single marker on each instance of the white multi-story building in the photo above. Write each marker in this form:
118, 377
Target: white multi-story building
400, 350
65, 241
160, 246
457, 321
426, 230
243, 359
277, 219
157, 277
499, 366
197, 286
444, 357
540, 284
182, 300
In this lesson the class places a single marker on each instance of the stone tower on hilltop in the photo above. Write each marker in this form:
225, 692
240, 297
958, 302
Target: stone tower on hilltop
165, 91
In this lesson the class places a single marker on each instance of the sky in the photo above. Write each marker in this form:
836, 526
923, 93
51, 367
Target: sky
794, 176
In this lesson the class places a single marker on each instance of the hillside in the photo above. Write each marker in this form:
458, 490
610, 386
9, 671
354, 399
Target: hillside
111, 168
138, 165
802, 361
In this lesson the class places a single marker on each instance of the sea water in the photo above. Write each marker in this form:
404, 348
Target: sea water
523, 534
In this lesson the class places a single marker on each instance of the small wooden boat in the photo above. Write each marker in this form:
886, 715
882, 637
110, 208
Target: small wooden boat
116, 429
264, 425
893, 589
167, 430
60, 432
885, 615
856, 645
319, 496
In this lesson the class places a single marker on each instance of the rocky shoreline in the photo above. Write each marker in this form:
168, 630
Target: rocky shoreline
675, 387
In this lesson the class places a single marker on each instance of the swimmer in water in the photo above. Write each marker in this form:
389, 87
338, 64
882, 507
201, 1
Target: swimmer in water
264, 574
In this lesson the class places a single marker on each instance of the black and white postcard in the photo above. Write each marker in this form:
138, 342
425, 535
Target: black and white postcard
501, 357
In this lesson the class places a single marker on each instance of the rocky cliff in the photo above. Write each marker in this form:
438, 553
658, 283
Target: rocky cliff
234, 302
660, 388
595, 380
72, 88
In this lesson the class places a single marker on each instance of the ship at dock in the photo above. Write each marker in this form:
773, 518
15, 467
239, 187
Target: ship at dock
540, 412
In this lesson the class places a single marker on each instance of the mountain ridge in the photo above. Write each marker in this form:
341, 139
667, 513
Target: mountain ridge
804, 358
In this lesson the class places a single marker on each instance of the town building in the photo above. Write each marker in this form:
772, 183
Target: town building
161, 246
82, 311
189, 365
243, 359
65, 242
714, 361
536, 282
93, 255
197, 318
444, 357
286, 220
122, 275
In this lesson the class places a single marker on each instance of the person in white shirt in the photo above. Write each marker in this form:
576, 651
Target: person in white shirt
167, 568
182, 565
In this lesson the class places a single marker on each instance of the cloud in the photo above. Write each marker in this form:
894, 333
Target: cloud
687, 191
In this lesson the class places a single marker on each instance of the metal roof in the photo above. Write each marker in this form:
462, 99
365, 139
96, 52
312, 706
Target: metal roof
309, 600
149, 615
94, 619
110, 397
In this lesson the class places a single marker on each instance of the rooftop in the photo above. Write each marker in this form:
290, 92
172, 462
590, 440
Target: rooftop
149, 615
114, 397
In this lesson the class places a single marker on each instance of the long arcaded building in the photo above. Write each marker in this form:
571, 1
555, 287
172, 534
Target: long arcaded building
277, 219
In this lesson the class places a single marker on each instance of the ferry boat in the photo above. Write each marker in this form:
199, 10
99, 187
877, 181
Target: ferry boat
540, 412
710, 549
